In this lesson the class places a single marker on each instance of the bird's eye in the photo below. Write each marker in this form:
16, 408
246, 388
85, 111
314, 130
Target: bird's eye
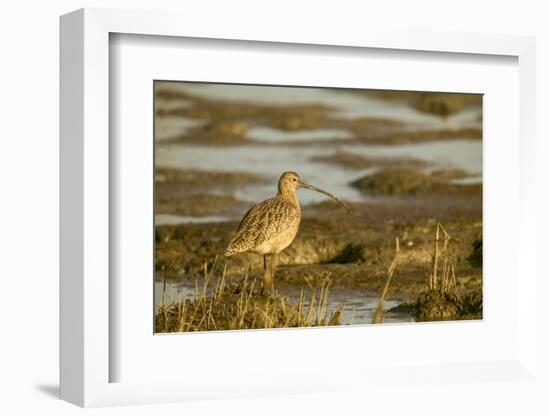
293, 179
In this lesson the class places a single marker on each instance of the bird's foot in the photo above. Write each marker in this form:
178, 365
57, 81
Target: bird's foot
270, 293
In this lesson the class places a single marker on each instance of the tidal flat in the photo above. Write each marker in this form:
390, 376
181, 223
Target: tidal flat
407, 164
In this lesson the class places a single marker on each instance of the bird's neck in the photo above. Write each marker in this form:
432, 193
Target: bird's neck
290, 196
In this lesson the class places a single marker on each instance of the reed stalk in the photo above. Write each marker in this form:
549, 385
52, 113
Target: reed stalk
442, 279
379, 313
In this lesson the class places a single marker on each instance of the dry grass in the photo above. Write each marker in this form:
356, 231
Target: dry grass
379, 313
441, 300
442, 277
231, 306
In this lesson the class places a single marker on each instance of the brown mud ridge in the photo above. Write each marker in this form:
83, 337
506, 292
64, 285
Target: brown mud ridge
403, 181
445, 104
442, 104
353, 161
418, 135
205, 179
350, 250
189, 192
287, 117
435, 305
228, 122
193, 192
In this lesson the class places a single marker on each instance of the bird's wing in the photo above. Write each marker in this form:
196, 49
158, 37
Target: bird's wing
263, 222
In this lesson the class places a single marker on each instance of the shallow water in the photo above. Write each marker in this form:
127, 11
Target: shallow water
270, 162
345, 103
458, 154
172, 127
172, 104
359, 304
163, 219
467, 181
271, 135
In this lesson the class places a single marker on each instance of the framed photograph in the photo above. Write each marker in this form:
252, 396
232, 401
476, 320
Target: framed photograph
286, 213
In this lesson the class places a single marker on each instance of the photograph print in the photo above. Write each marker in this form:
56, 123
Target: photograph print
293, 207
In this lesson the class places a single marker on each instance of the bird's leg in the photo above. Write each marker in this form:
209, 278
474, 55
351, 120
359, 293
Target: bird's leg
268, 274
272, 267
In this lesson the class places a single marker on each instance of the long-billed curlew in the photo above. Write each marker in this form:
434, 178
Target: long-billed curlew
270, 226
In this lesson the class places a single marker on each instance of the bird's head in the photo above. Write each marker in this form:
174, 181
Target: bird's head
289, 182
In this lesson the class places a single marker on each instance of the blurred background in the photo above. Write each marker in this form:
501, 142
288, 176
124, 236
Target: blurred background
249, 135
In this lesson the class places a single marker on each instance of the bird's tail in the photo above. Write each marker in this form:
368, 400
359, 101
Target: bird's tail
235, 246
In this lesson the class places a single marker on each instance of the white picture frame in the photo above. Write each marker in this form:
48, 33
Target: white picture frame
86, 291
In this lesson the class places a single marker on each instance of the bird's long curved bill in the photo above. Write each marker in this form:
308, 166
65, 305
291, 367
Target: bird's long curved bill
321, 191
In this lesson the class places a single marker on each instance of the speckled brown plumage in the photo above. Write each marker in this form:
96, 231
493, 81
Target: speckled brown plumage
270, 226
